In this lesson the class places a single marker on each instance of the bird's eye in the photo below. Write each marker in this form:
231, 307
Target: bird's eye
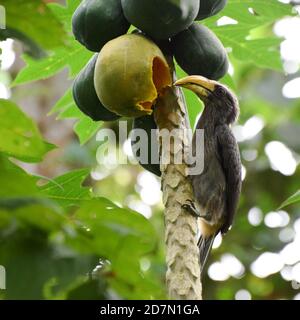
221, 91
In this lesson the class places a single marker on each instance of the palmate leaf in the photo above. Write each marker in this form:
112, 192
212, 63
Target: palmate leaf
20, 197
122, 236
85, 128
15, 182
250, 15
20, 136
111, 226
66, 189
263, 52
37, 20
72, 55
265, 11
65, 13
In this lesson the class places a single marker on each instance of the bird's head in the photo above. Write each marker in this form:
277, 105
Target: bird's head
214, 95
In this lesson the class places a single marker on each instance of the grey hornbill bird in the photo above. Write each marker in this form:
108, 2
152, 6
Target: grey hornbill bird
217, 188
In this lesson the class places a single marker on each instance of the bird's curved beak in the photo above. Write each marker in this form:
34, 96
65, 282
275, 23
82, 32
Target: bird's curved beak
202, 86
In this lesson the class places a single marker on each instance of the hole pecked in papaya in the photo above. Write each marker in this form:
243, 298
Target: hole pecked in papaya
161, 76
161, 79
147, 105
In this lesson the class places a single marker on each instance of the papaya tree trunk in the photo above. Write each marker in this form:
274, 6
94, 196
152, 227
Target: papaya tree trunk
182, 254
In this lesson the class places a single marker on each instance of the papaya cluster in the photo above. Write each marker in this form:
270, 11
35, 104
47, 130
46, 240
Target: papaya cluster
129, 71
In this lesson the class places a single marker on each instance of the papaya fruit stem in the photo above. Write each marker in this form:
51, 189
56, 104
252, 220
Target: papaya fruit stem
182, 254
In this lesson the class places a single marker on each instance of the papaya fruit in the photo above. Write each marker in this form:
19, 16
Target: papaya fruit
97, 21
198, 51
131, 71
210, 8
85, 95
161, 19
150, 160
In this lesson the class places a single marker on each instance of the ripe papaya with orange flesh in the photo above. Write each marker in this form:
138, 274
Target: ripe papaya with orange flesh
161, 19
150, 160
131, 71
95, 22
198, 51
85, 95
210, 8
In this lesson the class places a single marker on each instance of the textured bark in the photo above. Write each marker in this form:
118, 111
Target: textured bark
182, 254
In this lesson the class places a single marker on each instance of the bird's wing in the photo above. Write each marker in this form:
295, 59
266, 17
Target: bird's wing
229, 156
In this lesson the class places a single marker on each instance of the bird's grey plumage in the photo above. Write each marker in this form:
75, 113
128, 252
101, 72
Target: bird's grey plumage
205, 245
209, 187
231, 164
217, 188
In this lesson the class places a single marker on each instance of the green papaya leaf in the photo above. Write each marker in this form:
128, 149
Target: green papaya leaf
66, 189
39, 22
18, 183
22, 137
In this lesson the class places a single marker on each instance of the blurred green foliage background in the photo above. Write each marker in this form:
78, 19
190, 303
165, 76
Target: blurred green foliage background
73, 229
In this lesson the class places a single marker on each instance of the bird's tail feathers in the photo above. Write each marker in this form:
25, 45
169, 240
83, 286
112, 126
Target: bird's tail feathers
205, 245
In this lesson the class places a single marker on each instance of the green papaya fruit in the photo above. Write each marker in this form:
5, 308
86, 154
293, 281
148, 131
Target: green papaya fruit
85, 95
198, 51
150, 163
95, 22
161, 19
210, 8
131, 72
